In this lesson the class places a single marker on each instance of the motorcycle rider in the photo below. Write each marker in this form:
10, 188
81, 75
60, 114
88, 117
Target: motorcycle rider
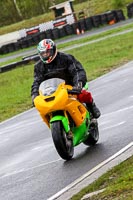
55, 64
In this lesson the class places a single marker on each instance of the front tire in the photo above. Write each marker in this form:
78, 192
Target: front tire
93, 136
63, 145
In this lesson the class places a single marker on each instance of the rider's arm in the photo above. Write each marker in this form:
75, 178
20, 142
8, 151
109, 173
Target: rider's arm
77, 72
38, 78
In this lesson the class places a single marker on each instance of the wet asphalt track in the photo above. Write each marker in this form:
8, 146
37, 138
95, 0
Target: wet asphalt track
30, 168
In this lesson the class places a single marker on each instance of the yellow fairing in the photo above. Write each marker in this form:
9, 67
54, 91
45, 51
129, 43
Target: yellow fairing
76, 110
60, 100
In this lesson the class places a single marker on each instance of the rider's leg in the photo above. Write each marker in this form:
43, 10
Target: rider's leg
86, 97
93, 109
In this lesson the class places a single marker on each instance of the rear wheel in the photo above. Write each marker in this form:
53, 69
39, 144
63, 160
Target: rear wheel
93, 136
63, 145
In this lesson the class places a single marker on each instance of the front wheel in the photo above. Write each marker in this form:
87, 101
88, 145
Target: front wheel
63, 145
93, 136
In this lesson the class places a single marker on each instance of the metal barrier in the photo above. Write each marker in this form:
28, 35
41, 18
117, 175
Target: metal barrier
24, 61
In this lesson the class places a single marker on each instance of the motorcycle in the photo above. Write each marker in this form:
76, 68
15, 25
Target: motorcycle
69, 120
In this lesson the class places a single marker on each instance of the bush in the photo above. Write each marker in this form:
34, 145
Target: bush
118, 3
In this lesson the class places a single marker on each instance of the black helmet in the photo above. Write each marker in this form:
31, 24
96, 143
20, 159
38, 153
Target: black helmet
47, 50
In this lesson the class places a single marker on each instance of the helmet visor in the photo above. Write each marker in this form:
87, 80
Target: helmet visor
46, 55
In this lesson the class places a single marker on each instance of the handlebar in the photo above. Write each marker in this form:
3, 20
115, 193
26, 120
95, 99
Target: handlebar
74, 91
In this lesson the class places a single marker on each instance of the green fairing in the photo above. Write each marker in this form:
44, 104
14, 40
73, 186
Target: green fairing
64, 122
86, 86
81, 132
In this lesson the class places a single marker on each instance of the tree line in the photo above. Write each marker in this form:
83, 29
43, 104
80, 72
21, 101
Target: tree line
12, 11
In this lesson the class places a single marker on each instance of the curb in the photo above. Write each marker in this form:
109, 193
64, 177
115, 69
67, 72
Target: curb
13, 65
75, 187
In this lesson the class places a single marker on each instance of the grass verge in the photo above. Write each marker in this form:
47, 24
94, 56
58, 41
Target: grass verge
69, 44
15, 90
97, 58
118, 184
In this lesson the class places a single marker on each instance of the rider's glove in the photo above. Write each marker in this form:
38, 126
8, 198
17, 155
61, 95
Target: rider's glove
33, 97
77, 89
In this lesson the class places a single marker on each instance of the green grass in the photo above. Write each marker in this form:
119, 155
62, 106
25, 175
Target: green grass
97, 36
97, 58
69, 44
118, 184
34, 21
103, 56
15, 90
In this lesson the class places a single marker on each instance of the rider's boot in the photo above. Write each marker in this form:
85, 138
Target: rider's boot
94, 110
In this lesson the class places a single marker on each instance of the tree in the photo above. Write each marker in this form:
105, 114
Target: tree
17, 9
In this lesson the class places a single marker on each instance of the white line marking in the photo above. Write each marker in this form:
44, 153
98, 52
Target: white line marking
28, 169
115, 125
117, 111
105, 122
20, 114
91, 171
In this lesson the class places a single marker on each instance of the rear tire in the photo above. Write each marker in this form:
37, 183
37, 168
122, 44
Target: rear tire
93, 136
63, 145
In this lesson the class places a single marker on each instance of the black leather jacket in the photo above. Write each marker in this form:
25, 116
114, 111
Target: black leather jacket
64, 66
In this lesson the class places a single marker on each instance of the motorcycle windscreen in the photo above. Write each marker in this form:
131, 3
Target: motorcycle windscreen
49, 86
